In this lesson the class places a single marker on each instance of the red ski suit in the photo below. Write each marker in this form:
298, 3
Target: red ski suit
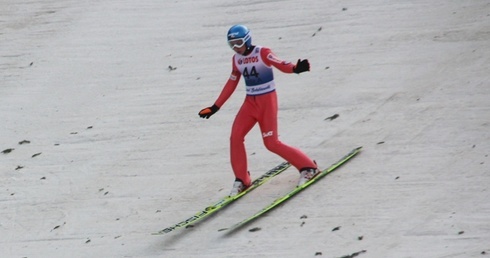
260, 106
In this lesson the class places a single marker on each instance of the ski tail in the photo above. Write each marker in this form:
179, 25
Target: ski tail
296, 190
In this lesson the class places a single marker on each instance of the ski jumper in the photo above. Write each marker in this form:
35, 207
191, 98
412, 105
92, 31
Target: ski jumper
260, 106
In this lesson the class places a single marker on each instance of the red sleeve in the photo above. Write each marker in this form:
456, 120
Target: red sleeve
271, 59
230, 85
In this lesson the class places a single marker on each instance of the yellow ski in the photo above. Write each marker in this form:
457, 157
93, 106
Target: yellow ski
227, 200
293, 192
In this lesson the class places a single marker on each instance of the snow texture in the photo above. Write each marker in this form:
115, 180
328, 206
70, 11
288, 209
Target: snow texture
101, 144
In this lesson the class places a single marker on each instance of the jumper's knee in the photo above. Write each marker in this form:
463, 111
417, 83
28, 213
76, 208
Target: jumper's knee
272, 145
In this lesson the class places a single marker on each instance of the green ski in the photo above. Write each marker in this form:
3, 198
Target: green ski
293, 192
227, 200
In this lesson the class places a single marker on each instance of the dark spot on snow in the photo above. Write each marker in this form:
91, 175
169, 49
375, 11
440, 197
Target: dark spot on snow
318, 253
353, 254
360, 238
318, 30
332, 117
58, 226
460, 232
396, 178
336, 228
303, 217
37, 154
43, 178
171, 68
19, 167
6, 151
24, 142
344, 9
254, 229
380, 143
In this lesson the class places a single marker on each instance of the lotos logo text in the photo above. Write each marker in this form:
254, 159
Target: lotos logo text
248, 60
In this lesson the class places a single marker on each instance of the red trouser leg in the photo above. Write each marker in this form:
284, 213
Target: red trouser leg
244, 122
261, 109
270, 135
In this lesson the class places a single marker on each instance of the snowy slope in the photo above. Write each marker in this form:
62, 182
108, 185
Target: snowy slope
102, 144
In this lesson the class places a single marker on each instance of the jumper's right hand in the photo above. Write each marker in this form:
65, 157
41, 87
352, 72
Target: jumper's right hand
208, 112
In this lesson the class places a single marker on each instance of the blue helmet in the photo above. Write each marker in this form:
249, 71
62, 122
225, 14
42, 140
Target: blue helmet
237, 32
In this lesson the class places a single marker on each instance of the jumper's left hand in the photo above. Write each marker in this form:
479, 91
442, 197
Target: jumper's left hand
302, 66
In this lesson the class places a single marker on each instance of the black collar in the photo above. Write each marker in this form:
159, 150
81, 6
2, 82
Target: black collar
249, 50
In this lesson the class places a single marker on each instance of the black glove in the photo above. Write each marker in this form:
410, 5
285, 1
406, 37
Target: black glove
208, 112
302, 66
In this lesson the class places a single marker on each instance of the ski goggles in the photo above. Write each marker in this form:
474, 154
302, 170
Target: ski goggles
238, 43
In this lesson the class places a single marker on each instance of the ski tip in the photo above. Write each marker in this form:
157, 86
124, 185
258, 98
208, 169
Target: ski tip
162, 232
222, 229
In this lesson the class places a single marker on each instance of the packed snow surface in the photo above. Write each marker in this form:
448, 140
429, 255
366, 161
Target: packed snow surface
101, 144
